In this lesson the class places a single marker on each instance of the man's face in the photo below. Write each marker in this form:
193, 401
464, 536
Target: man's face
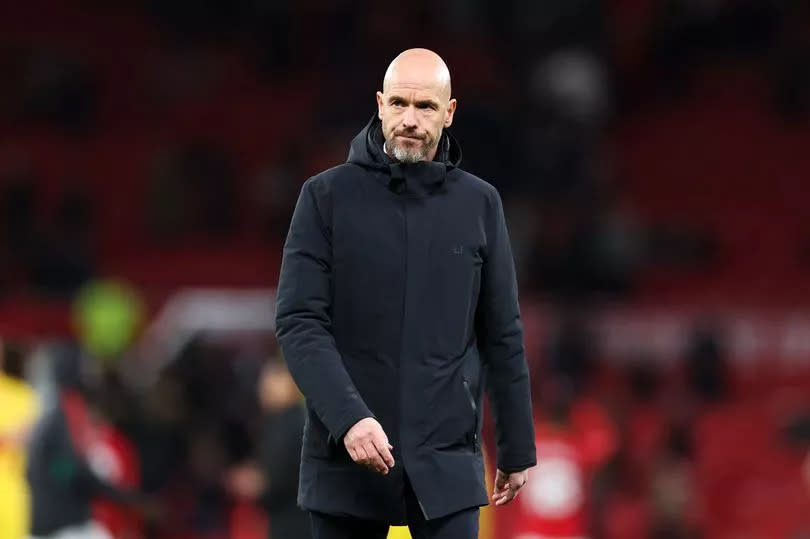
413, 116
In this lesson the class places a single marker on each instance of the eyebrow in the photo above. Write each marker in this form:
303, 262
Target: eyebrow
431, 102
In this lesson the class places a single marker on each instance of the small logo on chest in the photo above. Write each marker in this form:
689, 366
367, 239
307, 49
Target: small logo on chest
457, 250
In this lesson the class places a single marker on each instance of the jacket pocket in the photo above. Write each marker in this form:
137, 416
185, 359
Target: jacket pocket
473, 435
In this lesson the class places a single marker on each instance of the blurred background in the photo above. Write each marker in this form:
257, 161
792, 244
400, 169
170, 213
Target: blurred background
652, 156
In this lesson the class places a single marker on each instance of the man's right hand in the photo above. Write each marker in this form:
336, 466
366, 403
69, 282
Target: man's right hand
368, 445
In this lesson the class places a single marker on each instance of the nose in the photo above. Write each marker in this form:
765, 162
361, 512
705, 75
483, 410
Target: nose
409, 118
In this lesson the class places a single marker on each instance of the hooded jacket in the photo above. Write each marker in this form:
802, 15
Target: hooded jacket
397, 300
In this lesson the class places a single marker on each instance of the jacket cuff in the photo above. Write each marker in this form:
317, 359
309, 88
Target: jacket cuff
515, 466
348, 422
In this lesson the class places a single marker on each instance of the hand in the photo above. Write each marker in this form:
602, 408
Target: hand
246, 481
507, 486
368, 445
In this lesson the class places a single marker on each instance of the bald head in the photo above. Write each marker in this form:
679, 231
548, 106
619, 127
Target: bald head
415, 104
419, 67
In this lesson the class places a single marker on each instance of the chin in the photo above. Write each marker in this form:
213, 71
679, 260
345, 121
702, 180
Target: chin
408, 156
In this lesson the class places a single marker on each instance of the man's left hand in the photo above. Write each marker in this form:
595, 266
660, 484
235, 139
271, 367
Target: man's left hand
507, 486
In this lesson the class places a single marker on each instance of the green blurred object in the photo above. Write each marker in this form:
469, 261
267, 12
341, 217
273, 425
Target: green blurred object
107, 315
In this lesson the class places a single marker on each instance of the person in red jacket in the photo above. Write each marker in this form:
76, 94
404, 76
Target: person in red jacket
114, 457
574, 438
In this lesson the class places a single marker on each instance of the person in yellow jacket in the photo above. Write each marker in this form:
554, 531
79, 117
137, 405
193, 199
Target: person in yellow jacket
18, 412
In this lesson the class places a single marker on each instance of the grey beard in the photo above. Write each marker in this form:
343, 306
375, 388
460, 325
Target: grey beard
405, 156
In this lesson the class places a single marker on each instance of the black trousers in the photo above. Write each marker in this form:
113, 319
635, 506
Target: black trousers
460, 525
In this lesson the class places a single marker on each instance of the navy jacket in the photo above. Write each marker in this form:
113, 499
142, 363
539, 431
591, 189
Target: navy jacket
397, 300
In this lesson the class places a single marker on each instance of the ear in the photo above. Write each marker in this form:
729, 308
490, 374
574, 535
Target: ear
451, 109
380, 105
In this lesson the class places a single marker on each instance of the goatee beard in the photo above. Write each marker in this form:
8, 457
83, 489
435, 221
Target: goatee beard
409, 156
405, 155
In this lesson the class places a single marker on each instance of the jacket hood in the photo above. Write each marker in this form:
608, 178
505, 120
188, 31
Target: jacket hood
366, 150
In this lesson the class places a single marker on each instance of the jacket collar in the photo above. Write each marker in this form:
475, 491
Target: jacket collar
413, 178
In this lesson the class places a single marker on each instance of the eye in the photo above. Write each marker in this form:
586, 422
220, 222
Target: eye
396, 103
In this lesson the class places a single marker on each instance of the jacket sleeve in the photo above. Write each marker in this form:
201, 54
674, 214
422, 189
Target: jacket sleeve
500, 336
303, 323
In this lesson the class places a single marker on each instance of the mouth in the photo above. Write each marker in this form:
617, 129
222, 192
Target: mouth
409, 137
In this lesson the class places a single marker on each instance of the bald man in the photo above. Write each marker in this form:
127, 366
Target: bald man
397, 305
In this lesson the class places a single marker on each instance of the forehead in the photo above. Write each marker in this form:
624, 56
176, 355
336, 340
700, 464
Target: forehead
421, 83
414, 93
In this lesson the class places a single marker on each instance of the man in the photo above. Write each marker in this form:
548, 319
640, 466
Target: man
60, 474
397, 299
273, 480
18, 412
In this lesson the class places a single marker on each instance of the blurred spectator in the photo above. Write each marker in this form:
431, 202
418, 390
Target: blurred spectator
674, 491
575, 438
273, 480
706, 366
644, 416
159, 431
18, 412
206, 462
571, 354
113, 456
60, 472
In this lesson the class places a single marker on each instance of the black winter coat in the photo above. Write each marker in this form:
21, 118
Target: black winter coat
397, 300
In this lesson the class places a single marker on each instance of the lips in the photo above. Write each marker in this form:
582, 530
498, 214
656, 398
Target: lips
411, 137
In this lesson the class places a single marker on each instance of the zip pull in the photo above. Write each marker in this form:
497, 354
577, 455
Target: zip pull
470, 395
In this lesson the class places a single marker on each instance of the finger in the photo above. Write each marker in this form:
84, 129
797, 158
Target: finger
384, 449
506, 498
362, 456
510, 494
376, 460
498, 494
